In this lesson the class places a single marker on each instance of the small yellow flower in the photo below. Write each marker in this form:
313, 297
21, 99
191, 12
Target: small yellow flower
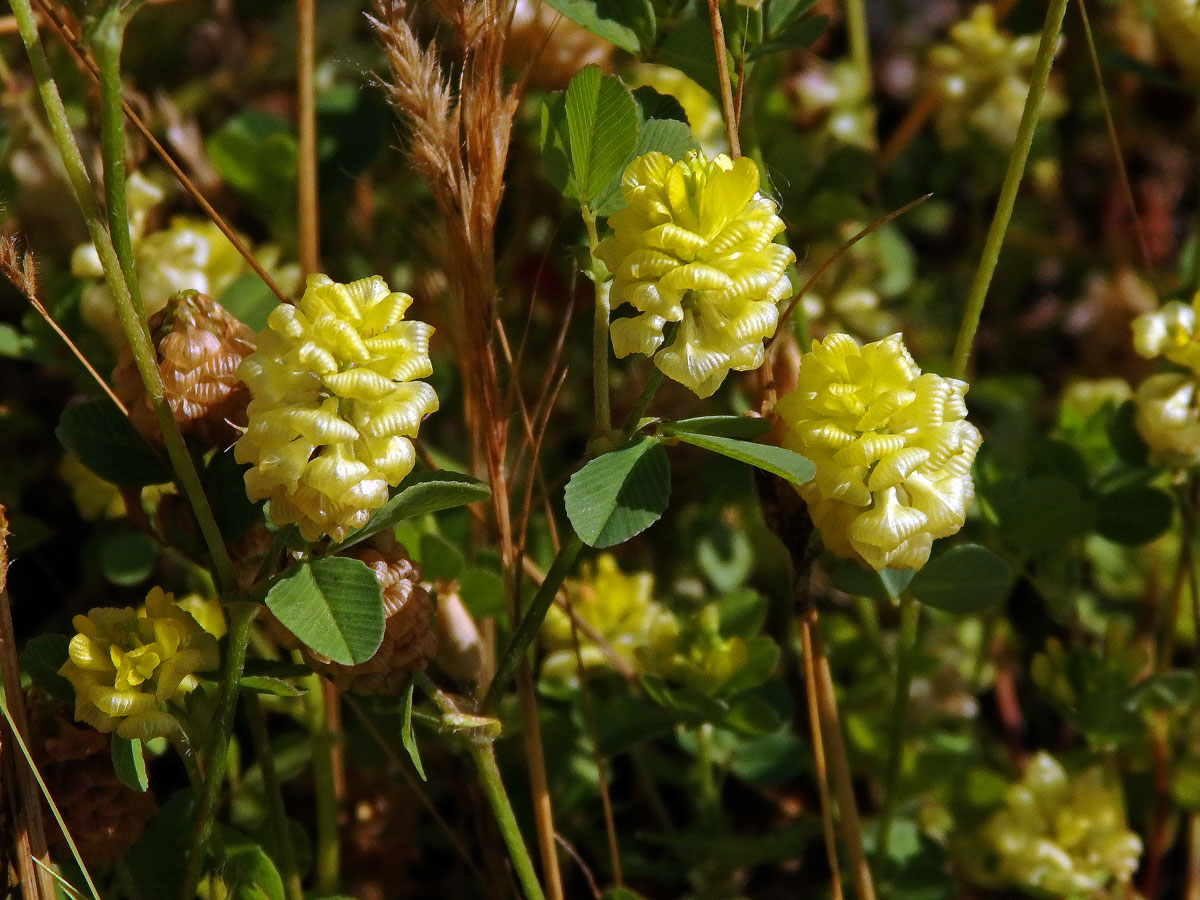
619, 607
982, 79
127, 665
1059, 836
694, 246
892, 448
334, 404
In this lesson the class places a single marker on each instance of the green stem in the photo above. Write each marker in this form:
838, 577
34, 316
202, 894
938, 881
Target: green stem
106, 42
600, 384
532, 620
133, 324
285, 851
1055, 11
907, 645
327, 861
860, 45
708, 801
493, 788
241, 619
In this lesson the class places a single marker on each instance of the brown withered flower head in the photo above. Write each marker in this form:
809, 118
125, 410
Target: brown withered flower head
409, 642
200, 346
105, 818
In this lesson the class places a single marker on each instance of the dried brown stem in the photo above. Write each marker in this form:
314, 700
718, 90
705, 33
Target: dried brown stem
727, 104
30, 836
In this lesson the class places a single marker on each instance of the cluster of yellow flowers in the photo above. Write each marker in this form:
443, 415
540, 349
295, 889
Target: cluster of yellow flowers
334, 404
1168, 404
982, 79
190, 254
128, 665
892, 447
1059, 836
639, 631
694, 246
620, 609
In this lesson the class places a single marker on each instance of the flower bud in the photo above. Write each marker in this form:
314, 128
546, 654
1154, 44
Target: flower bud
127, 665
892, 448
694, 246
334, 404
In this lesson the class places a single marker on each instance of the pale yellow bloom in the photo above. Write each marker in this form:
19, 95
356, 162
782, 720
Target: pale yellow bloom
1059, 835
190, 254
619, 607
335, 404
892, 448
1169, 332
982, 79
127, 665
692, 651
694, 247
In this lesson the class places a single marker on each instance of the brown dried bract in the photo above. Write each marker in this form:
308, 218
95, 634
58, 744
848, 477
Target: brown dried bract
409, 642
105, 818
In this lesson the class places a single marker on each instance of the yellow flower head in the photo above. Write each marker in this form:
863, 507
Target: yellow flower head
190, 254
694, 246
127, 665
619, 607
334, 404
692, 651
892, 447
982, 79
1060, 836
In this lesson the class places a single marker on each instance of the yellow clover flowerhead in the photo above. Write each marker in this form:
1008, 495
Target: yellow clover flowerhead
694, 246
1168, 405
127, 665
982, 79
892, 448
334, 404
619, 607
1060, 836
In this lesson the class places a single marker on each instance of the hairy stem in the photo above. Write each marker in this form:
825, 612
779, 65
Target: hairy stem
1056, 10
107, 41
907, 645
241, 619
493, 788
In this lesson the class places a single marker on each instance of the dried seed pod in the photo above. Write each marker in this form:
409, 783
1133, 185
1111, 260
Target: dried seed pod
105, 818
200, 346
409, 642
